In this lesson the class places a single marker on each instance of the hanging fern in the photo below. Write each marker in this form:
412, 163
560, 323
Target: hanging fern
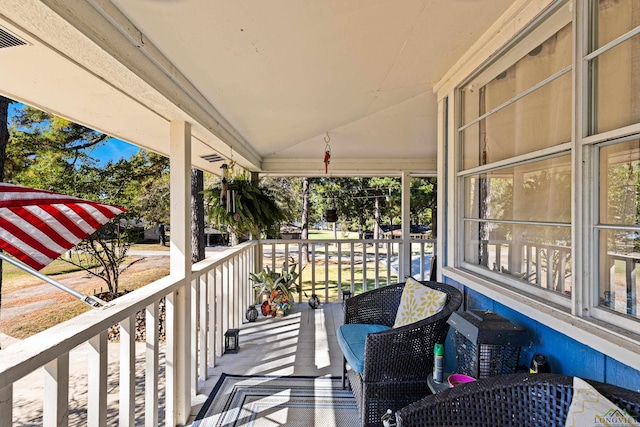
253, 209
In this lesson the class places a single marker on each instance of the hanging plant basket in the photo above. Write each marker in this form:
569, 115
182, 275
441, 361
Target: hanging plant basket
331, 215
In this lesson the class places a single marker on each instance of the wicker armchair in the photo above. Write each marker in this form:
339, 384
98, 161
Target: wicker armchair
396, 361
522, 400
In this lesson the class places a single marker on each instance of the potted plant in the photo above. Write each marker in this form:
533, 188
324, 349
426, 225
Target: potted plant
246, 209
276, 288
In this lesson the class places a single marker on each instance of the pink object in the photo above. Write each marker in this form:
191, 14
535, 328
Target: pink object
456, 379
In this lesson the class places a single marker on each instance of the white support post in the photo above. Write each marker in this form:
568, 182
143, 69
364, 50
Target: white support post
56, 392
127, 371
179, 355
97, 380
405, 255
152, 366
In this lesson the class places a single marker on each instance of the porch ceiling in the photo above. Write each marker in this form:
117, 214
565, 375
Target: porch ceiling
260, 81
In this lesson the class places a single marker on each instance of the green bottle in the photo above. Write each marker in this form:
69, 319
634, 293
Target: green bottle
438, 363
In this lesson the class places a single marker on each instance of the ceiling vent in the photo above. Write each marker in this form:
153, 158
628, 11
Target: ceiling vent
9, 40
212, 158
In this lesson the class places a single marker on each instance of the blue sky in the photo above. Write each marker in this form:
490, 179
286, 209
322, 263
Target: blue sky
114, 149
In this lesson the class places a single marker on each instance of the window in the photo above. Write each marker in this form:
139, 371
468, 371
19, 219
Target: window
619, 231
517, 222
613, 65
614, 107
515, 165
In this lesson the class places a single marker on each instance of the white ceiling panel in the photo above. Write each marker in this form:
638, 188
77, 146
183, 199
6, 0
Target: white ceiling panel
259, 80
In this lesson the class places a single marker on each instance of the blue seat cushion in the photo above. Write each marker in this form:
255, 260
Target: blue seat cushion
351, 338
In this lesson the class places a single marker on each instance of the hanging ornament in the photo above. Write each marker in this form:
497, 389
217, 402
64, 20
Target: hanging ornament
224, 187
331, 214
327, 153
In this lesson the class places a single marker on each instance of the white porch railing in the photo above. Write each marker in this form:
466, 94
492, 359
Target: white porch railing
197, 315
333, 266
544, 265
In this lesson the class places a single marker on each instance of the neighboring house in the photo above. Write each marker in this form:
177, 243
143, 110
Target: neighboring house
290, 231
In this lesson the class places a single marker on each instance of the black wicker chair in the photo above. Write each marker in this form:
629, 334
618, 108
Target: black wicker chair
398, 361
522, 400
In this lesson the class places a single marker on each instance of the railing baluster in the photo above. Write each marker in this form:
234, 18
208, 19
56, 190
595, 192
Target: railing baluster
632, 292
235, 300
389, 253
97, 380
127, 371
152, 366
224, 304
193, 330
286, 255
300, 246
421, 253
326, 272
6, 406
630, 273
202, 328
220, 309
56, 392
364, 268
244, 286
313, 268
273, 256
538, 266
340, 297
353, 281
212, 312
549, 252
561, 270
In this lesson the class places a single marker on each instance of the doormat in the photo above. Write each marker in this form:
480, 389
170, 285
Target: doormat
238, 400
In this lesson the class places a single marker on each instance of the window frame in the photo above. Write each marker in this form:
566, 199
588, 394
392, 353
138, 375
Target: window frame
542, 29
591, 142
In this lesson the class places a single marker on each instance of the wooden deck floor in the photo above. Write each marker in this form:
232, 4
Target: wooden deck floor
303, 344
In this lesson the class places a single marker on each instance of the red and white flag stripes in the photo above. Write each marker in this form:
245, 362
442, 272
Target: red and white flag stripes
37, 226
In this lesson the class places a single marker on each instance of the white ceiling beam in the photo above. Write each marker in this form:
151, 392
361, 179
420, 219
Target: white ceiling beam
349, 167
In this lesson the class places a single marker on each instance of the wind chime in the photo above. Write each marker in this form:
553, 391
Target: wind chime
331, 214
227, 196
327, 153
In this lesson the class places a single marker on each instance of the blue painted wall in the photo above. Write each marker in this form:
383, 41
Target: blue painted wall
565, 355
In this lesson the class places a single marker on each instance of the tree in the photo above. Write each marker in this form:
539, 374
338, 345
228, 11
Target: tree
305, 217
46, 151
197, 216
424, 199
4, 141
4, 134
49, 152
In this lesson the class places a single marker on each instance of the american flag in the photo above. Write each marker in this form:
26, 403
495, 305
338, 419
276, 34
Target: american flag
37, 226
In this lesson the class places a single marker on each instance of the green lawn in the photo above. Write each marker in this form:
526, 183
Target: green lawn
328, 235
